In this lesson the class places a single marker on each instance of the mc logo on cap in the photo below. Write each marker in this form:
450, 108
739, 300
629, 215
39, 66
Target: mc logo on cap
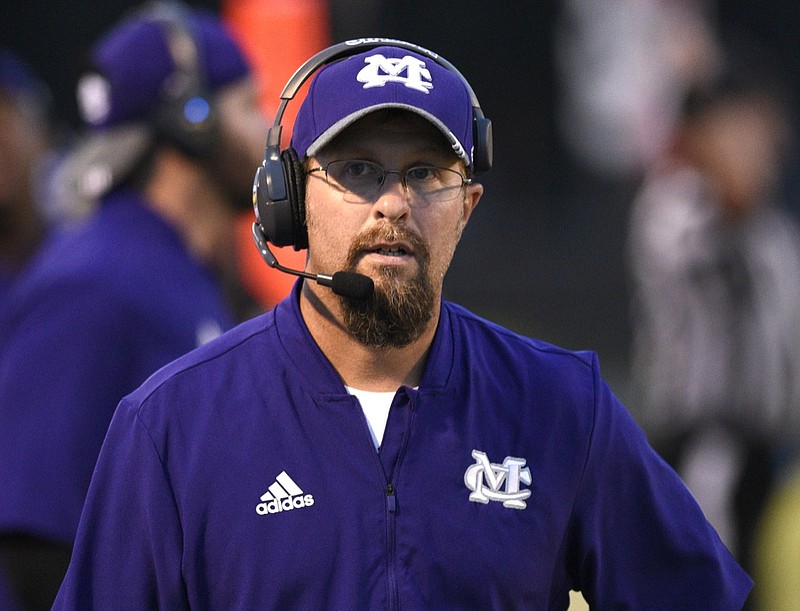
408, 70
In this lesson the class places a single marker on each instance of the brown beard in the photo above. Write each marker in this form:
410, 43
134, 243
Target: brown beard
398, 310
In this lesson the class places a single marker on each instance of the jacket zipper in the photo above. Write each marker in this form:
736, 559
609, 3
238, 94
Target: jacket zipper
391, 505
390, 457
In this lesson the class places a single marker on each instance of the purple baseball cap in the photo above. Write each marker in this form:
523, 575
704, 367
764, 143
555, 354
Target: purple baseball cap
134, 68
133, 65
383, 77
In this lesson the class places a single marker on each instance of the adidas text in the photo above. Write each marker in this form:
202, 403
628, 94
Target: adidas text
278, 505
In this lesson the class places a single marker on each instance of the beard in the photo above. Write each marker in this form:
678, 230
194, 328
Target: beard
399, 309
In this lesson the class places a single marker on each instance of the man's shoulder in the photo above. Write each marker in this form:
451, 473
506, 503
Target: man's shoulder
232, 358
90, 252
67, 279
488, 335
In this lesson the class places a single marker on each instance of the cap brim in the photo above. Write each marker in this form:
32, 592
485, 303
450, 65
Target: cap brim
334, 130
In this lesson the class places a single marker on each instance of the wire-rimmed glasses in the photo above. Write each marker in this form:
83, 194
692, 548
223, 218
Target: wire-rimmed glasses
361, 181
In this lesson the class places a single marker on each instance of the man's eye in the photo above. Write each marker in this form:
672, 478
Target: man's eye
423, 173
359, 169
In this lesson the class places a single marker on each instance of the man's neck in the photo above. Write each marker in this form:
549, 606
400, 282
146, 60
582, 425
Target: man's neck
361, 366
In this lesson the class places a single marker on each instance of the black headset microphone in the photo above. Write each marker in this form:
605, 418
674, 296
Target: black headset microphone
347, 284
279, 185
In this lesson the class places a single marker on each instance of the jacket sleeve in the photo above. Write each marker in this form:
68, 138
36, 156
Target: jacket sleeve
640, 539
127, 553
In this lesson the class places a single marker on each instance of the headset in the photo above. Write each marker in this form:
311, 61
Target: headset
185, 116
279, 185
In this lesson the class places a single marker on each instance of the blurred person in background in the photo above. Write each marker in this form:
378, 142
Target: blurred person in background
622, 68
715, 264
27, 141
173, 132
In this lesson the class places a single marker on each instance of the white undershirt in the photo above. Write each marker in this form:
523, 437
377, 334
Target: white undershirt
376, 409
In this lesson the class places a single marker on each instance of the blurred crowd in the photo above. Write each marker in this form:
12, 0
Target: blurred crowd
699, 119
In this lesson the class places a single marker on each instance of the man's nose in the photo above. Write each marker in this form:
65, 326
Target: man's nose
393, 199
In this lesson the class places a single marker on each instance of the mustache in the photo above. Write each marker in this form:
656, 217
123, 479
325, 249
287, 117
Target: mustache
387, 233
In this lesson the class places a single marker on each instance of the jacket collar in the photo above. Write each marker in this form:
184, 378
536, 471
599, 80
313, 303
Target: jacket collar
301, 349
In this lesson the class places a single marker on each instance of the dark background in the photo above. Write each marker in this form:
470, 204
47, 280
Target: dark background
544, 253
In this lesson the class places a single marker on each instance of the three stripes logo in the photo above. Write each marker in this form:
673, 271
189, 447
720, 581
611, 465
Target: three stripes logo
283, 495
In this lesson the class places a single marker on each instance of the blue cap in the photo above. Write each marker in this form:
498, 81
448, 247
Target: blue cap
384, 77
134, 63
137, 66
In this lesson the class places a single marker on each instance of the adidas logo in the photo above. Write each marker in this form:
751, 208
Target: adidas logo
283, 495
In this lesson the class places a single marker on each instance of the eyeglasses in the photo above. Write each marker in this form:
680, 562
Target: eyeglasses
360, 181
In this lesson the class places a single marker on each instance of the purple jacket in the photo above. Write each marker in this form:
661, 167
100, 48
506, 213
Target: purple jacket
243, 476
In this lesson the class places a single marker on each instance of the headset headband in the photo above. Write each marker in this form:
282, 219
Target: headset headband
343, 50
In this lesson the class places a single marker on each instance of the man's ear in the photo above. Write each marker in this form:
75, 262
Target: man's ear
471, 198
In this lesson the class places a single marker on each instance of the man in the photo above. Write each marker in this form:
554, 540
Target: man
350, 450
143, 280
26, 141
714, 256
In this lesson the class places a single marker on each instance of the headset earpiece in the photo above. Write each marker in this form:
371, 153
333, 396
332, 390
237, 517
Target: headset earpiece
279, 199
186, 120
296, 185
482, 156
185, 114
